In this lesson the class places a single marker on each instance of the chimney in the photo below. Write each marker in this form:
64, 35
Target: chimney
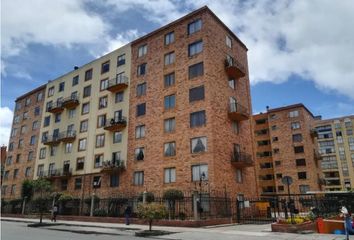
76, 67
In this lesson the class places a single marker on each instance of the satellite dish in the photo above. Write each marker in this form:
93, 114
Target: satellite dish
287, 180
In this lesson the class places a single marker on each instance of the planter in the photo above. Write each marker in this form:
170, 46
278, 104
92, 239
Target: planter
330, 225
294, 228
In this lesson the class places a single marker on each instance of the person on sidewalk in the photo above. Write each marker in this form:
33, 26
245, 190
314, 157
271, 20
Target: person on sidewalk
54, 213
127, 214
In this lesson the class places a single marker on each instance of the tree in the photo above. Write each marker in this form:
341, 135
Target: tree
27, 189
151, 212
41, 191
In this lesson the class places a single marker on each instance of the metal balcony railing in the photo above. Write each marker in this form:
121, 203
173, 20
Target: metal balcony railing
238, 112
117, 84
241, 159
113, 165
71, 101
116, 124
234, 69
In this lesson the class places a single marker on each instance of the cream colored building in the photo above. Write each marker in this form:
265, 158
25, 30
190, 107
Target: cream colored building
336, 145
85, 120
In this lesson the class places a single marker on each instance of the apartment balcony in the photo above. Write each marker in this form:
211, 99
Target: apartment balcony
117, 84
68, 136
71, 102
116, 124
234, 69
56, 107
237, 112
313, 133
51, 140
241, 160
111, 166
58, 173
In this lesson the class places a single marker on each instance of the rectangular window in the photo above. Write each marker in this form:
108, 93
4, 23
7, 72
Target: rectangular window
18, 158
228, 41
30, 156
194, 26
78, 183
121, 60
96, 183
297, 137
232, 83
195, 48
300, 162
50, 91
169, 79
88, 75
170, 175
169, 58
138, 178
68, 147
35, 125
198, 145
37, 111
170, 124
61, 86
299, 149
87, 91
294, 114
197, 119
139, 153
103, 84
33, 140
304, 188
119, 97
85, 108
142, 69
169, 38
301, 175
80, 163
75, 80
102, 102
199, 172
42, 153
82, 144
114, 180
140, 131
105, 67
117, 137
196, 94
101, 121
239, 177
84, 126
25, 115
295, 125
15, 173
140, 109
142, 50
141, 89
20, 143
169, 102
39, 96
98, 161
196, 70
40, 170
57, 117
28, 172
100, 140
170, 149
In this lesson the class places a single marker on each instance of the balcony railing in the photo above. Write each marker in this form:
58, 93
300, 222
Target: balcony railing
241, 159
51, 140
117, 84
71, 102
113, 166
55, 107
58, 173
313, 133
67, 136
116, 124
237, 112
234, 69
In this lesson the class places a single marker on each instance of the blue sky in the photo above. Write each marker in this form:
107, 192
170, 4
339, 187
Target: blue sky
295, 54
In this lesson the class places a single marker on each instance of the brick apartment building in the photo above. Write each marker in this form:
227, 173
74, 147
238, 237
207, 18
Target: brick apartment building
24, 139
285, 143
336, 146
3, 155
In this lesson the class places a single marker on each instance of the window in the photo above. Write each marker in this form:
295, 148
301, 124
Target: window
121, 60
17, 119
228, 41
35, 125
142, 50
103, 84
170, 149
96, 182
85, 108
117, 137
87, 91
141, 89
297, 137
68, 147
88, 75
42, 153
169, 38
20, 143
239, 177
30, 156
169, 58
294, 114
198, 145
33, 140
28, 171
80, 163
13, 189
119, 97
15, 173
61, 86
197, 119
196, 94
84, 126
46, 121
301, 175
232, 83
139, 153
295, 125
195, 48
194, 26
37, 111
105, 67
11, 146
50, 91
13, 132
170, 175
142, 69
200, 172
196, 70
100, 140
40, 170
39, 96
53, 150
6, 175
304, 188
57, 117
82, 144
114, 180
169, 124
140, 131
25, 115
169, 102
279, 176
101, 121
98, 161
274, 127
299, 149
138, 178
75, 80
103, 102
71, 113
277, 163
169, 79
280, 188
140, 109
300, 162
78, 183
18, 158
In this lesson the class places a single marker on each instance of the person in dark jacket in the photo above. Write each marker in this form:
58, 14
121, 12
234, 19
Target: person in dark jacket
54, 213
127, 214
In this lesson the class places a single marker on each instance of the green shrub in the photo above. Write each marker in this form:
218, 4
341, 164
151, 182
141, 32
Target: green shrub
173, 194
100, 212
149, 197
151, 211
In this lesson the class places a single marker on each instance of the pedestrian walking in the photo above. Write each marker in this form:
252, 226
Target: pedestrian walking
54, 213
127, 214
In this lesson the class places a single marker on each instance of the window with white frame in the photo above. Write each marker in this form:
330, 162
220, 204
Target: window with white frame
138, 178
200, 172
170, 149
140, 131
170, 175
198, 144
142, 50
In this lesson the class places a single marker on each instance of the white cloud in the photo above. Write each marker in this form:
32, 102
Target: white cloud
6, 116
121, 40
